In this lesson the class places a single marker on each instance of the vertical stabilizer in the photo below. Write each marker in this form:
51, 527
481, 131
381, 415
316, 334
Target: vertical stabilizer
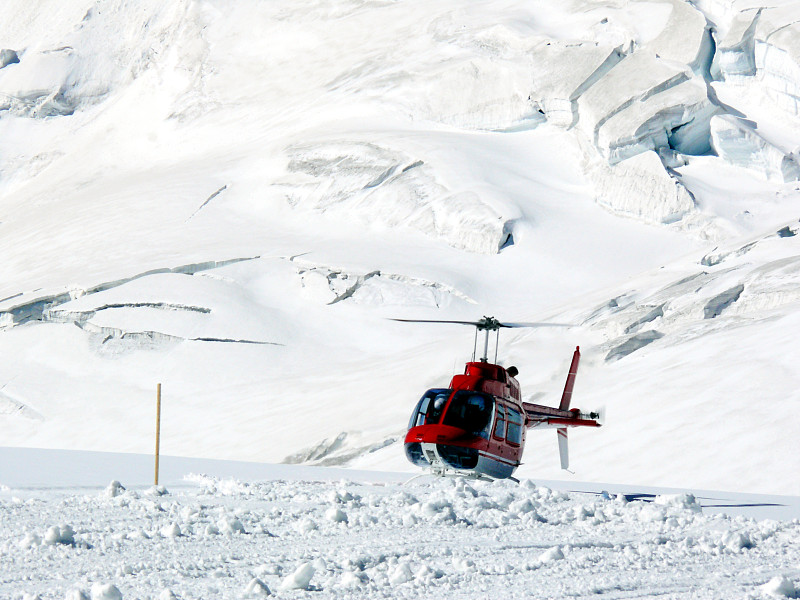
566, 397
563, 447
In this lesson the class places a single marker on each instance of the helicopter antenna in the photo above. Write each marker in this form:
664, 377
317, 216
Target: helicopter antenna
475, 345
496, 345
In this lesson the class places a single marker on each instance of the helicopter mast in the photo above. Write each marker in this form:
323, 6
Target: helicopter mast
487, 324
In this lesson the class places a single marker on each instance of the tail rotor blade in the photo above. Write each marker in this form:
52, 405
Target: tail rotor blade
601, 415
563, 447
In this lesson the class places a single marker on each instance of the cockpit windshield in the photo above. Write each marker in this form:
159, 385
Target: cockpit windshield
429, 408
471, 411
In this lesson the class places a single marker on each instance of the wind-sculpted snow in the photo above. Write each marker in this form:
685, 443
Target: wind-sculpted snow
335, 285
637, 103
340, 450
685, 38
639, 187
13, 406
556, 90
390, 189
745, 281
24, 307
65, 71
757, 64
735, 55
444, 539
738, 142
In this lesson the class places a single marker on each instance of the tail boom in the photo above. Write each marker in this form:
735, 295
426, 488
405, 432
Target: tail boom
548, 417
572, 418
538, 415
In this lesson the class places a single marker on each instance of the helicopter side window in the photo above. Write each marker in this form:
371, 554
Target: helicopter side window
500, 422
471, 411
430, 407
514, 426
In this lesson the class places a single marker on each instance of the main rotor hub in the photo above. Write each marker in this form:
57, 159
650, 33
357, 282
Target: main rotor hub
488, 324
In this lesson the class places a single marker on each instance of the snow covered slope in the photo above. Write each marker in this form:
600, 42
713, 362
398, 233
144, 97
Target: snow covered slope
231, 199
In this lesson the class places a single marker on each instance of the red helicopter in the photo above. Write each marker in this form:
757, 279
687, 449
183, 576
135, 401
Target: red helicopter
476, 427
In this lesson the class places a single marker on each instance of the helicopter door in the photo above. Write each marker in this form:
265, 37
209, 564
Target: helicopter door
514, 433
500, 423
497, 445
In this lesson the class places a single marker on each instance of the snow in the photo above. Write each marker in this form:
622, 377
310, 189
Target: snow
234, 199
577, 67
685, 37
522, 538
299, 579
105, 591
639, 187
737, 142
780, 587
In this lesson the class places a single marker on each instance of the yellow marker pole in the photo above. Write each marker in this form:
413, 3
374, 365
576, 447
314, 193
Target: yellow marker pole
158, 425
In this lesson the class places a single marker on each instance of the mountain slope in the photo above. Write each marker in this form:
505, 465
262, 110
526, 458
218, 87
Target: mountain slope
232, 200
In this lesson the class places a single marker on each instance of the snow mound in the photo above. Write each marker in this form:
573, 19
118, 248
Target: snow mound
60, 534
780, 586
551, 555
256, 589
300, 579
106, 591
686, 501
114, 489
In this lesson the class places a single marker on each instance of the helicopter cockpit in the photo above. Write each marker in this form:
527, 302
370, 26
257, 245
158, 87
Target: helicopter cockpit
470, 411
467, 410
429, 409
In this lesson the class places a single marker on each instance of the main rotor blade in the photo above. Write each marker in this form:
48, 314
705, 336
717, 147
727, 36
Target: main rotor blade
536, 324
473, 323
487, 323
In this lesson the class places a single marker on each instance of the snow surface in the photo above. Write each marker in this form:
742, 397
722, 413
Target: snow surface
294, 531
232, 199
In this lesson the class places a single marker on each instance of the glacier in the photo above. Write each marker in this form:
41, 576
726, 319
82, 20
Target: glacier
233, 201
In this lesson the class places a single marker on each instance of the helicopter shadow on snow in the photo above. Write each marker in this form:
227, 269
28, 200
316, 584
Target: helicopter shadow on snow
648, 497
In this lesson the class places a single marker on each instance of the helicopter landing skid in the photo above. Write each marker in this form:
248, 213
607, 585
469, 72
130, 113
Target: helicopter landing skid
448, 473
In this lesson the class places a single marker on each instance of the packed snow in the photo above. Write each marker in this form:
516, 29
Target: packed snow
295, 532
233, 199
